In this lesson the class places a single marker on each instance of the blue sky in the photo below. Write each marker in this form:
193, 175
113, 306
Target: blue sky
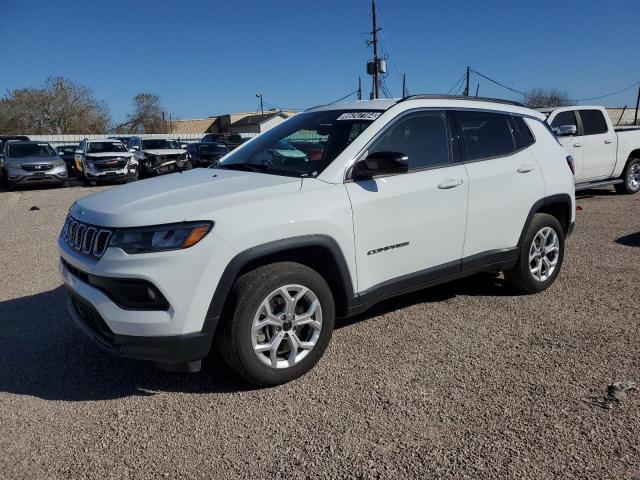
210, 57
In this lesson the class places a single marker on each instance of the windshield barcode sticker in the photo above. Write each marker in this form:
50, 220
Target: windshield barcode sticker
359, 116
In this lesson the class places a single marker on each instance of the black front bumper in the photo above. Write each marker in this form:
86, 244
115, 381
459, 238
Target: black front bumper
180, 352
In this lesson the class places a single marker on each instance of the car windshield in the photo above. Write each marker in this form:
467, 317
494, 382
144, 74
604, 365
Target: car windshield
159, 144
21, 150
212, 148
105, 147
302, 146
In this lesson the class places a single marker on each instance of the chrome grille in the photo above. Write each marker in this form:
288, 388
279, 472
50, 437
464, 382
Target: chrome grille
86, 239
45, 167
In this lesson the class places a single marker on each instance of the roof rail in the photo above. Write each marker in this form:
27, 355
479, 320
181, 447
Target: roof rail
461, 97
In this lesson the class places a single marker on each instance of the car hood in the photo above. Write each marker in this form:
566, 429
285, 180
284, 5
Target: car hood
98, 156
164, 151
194, 194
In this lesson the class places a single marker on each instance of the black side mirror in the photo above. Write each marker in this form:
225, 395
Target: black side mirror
381, 163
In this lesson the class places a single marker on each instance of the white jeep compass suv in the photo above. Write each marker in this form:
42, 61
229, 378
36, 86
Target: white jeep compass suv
257, 257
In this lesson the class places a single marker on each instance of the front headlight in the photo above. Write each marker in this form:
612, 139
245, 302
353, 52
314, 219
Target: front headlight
161, 238
13, 165
91, 165
58, 163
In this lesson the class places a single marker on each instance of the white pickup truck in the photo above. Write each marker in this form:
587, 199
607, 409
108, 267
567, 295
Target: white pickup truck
603, 155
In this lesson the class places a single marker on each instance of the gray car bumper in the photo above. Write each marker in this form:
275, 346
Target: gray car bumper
16, 176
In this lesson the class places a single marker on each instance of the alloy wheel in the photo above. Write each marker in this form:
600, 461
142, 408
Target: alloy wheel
286, 326
634, 177
544, 254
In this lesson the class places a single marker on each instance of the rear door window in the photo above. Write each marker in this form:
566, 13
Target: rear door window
593, 122
486, 134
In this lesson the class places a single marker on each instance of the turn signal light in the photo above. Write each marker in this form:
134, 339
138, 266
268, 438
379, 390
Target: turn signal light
196, 235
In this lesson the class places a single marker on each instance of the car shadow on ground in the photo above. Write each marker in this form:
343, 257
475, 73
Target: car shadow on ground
595, 192
631, 240
482, 284
42, 353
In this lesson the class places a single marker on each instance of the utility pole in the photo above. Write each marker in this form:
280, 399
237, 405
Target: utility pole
477, 89
170, 126
466, 88
404, 85
359, 88
635, 120
259, 95
375, 91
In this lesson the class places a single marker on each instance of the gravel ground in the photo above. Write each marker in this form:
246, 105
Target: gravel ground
460, 381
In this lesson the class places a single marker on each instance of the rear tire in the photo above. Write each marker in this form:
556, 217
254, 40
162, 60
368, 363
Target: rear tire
630, 178
258, 315
541, 256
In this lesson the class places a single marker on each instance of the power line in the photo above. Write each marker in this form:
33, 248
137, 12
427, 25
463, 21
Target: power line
526, 95
608, 94
344, 98
460, 80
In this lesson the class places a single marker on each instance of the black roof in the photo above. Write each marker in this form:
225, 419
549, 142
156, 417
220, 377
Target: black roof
462, 97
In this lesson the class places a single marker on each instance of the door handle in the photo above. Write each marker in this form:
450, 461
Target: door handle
577, 144
450, 183
608, 141
526, 169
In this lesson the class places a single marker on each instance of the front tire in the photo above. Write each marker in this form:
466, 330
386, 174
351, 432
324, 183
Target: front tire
541, 256
630, 177
277, 324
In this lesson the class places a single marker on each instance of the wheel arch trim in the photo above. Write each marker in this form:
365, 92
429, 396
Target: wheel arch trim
244, 258
560, 198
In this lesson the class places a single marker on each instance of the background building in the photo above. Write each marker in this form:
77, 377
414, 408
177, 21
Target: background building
246, 124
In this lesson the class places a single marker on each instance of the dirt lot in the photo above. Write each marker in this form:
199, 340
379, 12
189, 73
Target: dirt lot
461, 381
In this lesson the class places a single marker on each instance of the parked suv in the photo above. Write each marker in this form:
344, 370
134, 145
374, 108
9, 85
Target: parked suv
99, 160
206, 154
158, 155
68, 154
24, 163
6, 138
259, 256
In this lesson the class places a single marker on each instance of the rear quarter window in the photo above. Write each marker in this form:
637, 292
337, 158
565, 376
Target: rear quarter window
522, 134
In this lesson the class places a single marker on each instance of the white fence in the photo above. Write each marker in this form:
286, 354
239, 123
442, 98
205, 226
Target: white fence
71, 139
